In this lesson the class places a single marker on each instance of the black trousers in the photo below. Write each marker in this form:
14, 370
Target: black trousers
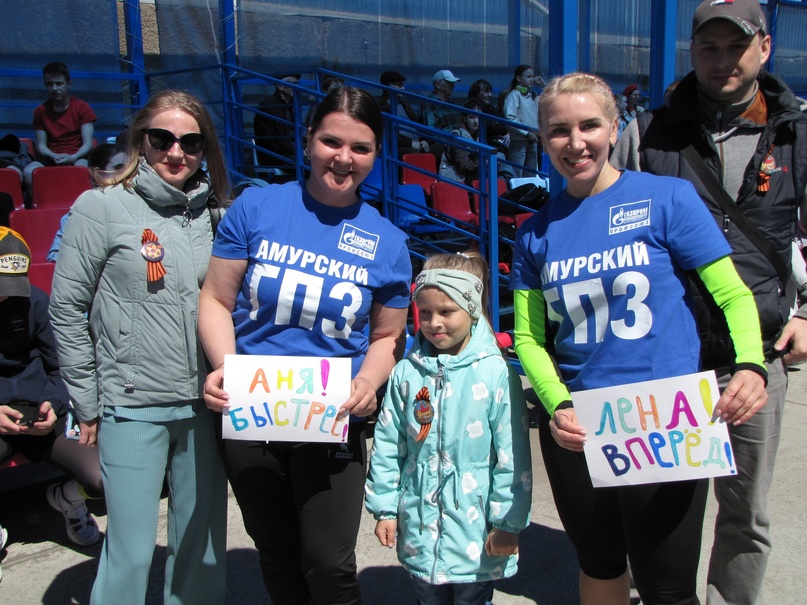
302, 506
658, 526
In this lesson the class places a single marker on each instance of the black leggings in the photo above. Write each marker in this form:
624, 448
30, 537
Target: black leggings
302, 505
657, 525
80, 461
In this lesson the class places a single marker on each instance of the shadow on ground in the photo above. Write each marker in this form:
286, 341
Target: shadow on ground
547, 574
244, 584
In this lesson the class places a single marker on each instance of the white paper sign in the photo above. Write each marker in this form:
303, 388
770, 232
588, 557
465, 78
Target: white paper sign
659, 430
275, 398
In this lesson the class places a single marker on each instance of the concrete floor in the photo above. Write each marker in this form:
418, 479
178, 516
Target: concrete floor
41, 566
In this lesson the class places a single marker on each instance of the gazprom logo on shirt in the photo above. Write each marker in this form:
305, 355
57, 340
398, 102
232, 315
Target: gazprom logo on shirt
358, 242
629, 216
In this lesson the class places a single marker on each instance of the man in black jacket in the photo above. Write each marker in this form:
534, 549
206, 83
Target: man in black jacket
747, 129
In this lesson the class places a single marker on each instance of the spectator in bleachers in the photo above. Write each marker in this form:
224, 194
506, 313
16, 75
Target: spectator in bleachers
329, 82
633, 96
459, 163
124, 308
272, 133
408, 140
496, 133
439, 116
622, 116
628, 110
104, 158
30, 380
521, 106
63, 124
14, 154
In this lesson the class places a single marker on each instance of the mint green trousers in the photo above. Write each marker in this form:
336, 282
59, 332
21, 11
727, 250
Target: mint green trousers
136, 456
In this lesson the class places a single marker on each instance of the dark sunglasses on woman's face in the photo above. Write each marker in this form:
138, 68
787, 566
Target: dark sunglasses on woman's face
162, 140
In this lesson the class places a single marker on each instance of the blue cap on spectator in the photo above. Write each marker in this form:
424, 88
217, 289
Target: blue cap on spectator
445, 74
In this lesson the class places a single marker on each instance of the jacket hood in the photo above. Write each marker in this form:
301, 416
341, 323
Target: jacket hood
482, 344
156, 192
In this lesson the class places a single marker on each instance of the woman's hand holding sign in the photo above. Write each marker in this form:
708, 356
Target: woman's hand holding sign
566, 431
363, 400
216, 398
743, 397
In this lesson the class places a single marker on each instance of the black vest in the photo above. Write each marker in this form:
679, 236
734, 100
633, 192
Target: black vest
783, 146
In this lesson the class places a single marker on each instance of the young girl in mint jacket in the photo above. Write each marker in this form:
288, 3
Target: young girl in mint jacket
450, 470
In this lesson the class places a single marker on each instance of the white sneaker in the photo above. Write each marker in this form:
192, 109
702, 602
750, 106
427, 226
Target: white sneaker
3, 540
81, 527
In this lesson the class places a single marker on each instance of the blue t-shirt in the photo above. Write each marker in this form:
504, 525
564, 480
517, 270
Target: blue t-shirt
612, 271
314, 272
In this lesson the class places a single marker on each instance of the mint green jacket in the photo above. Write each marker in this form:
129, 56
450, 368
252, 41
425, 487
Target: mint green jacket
471, 473
122, 341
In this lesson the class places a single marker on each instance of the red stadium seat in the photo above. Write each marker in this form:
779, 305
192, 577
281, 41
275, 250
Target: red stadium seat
451, 200
37, 226
501, 187
425, 161
10, 183
507, 219
59, 186
41, 275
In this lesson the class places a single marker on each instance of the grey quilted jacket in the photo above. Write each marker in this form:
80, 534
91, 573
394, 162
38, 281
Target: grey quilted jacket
122, 340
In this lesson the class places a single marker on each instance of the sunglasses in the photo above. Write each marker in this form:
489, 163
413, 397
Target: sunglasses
162, 140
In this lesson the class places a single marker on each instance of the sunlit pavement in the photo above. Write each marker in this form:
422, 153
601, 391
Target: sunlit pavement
41, 566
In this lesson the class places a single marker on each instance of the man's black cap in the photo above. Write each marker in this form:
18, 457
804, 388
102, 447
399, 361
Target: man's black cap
391, 76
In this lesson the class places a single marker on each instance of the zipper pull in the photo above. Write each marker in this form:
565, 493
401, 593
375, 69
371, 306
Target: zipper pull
726, 223
438, 380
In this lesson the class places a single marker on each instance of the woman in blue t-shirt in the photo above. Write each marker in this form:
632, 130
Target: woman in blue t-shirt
306, 269
586, 318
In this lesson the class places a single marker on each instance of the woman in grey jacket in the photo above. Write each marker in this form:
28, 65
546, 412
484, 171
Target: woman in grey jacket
124, 307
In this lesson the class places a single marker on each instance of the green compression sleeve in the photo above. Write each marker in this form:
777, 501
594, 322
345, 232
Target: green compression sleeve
735, 299
530, 336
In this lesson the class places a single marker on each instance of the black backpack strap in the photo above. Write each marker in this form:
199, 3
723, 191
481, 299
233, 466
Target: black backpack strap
215, 213
730, 208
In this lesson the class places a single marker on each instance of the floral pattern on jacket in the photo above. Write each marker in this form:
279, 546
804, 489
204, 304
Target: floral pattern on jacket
471, 473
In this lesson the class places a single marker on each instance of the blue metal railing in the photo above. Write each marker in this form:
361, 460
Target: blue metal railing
236, 114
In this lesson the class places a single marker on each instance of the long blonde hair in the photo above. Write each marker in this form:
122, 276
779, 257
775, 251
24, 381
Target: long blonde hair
189, 104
